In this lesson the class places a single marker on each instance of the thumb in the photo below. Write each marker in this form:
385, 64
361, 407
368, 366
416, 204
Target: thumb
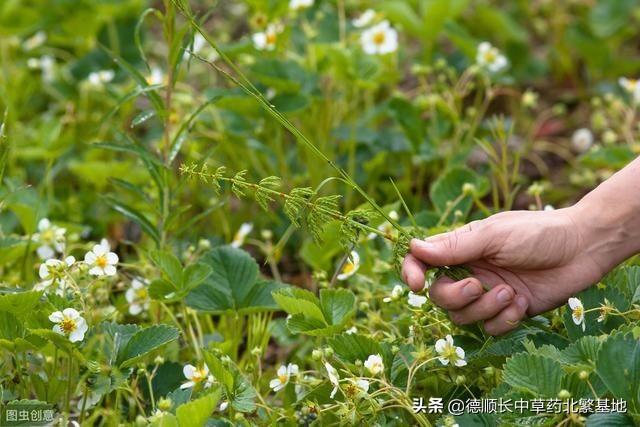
456, 247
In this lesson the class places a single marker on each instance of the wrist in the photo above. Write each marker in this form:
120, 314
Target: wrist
609, 230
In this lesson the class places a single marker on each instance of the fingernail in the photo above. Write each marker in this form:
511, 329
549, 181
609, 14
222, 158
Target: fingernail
504, 295
522, 302
471, 290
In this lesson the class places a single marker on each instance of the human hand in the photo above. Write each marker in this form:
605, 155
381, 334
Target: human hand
531, 261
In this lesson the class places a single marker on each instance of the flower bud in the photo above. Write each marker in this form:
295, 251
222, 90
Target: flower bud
328, 351
468, 189
164, 404
204, 244
564, 394
584, 375
316, 354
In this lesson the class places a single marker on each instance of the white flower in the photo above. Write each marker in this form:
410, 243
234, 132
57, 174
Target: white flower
549, 208
266, 40
386, 228
374, 364
582, 140
632, 87
449, 352
101, 261
241, 234
530, 99
51, 239
35, 41
199, 43
284, 374
156, 77
416, 300
300, 4
224, 405
54, 271
365, 19
68, 322
196, 376
334, 379
362, 384
379, 39
490, 58
202, 48
577, 312
350, 267
396, 293
98, 78
137, 296
352, 330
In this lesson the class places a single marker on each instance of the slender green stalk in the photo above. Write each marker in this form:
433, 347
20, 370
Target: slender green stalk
245, 84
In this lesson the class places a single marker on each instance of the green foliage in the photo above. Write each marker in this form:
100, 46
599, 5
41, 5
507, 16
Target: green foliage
234, 285
315, 316
340, 139
196, 412
177, 281
238, 391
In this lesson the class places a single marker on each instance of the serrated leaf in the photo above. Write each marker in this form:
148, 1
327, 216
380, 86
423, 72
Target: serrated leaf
163, 290
196, 412
20, 303
618, 366
312, 316
59, 341
238, 390
169, 265
300, 301
10, 327
533, 374
338, 305
194, 275
609, 420
352, 347
233, 284
145, 341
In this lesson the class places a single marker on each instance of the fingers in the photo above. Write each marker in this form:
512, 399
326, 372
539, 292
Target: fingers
413, 272
456, 247
452, 295
509, 318
486, 307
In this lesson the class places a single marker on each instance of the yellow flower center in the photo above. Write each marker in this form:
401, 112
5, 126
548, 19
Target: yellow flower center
379, 37
351, 390
449, 352
271, 38
142, 293
578, 312
490, 56
348, 268
68, 325
283, 378
48, 235
199, 375
101, 261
